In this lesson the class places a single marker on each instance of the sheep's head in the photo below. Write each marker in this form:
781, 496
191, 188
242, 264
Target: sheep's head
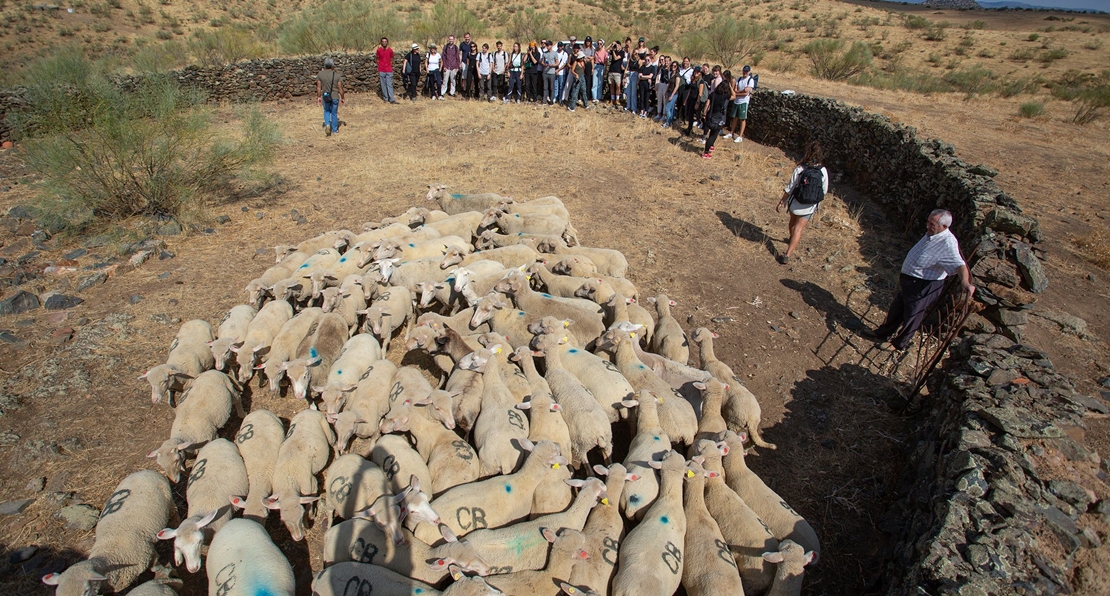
286, 288
300, 372
221, 350
550, 244
791, 558
170, 457
387, 249
247, 357
702, 334
274, 372
438, 405
162, 379
387, 514
281, 251
511, 284
387, 267
346, 423
422, 337
332, 299
476, 360
79, 580
490, 217
453, 256
292, 512
334, 396
485, 309
434, 191
188, 539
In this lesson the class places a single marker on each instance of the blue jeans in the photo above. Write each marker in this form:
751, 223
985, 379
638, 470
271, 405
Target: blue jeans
560, 80
385, 79
331, 113
669, 110
632, 89
599, 81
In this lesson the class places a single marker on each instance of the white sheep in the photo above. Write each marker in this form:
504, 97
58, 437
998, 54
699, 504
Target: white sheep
410, 274
790, 573
305, 451
550, 205
345, 301
489, 239
364, 541
601, 377
451, 461
588, 324
259, 287
400, 462
624, 311
189, 356
358, 413
741, 409
651, 557
708, 569
454, 203
260, 334
588, 423
575, 265
344, 579
499, 423
566, 552
669, 340
352, 484
205, 408
315, 355
511, 256
712, 425
125, 536
545, 418
218, 474
604, 532
608, 261
649, 444
285, 343
600, 288
421, 249
359, 353
259, 439
163, 586
532, 223
388, 312
243, 561
231, 333
463, 225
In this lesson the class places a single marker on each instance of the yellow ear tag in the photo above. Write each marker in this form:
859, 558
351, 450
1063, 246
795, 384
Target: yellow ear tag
565, 338
605, 501
632, 335
498, 351
689, 473
566, 324
555, 466
529, 278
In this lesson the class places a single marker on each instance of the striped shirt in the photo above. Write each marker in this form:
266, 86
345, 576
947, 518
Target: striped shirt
934, 257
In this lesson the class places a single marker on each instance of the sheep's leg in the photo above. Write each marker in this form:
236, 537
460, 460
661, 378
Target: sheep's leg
753, 432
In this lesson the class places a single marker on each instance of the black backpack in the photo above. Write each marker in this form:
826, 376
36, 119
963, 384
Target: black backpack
810, 188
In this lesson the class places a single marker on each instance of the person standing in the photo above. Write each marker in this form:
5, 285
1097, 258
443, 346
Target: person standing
808, 185
715, 114
466, 51
742, 88
550, 73
452, 61
329, 93
632, 83
601, 57
485, 69
435, 72
616, 73
516, 70
533, 70
676, 90
410, 72
929, 262
691, 100
500, 66
384, 54
561, 71
662, 86
588, 67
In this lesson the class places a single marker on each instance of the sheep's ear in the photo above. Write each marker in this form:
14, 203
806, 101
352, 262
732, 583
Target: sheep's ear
526, 405
631, 477
658, 465
439, 564
673, 303
167, 534
51, 579
700, 459
526, 445
773, 557
307, 500
556, 407
630, 403
153, 454
723, 448
548, 534
700, 386
601, 470
651, 299
271, 502
575, 482
810, 556
447, 533
237, 502
204, 521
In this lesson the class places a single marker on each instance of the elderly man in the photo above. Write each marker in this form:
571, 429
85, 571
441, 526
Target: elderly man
929, 262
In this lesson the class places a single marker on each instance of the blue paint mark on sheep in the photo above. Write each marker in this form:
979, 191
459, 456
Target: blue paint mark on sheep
508, 488
546, 295
342, 259
411, 244
312, 352
634, 499
456, 195
664, 519
339, 372
655, 438
573, 351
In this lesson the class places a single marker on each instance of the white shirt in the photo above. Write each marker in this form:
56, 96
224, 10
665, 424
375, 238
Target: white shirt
687, 73
563, 58
934, 257
741, 84
797, 208
433, 61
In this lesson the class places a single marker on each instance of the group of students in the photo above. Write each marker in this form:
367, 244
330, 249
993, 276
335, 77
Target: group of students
639, 80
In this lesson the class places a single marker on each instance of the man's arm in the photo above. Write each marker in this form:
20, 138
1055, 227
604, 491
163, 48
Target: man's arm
965, 280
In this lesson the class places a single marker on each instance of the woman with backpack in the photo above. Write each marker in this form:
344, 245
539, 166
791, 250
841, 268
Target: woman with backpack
808, 185
715, 111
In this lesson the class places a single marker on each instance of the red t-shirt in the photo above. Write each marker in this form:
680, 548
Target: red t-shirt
385, 59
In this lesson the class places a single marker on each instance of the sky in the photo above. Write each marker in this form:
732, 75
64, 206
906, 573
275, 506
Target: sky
1073, 4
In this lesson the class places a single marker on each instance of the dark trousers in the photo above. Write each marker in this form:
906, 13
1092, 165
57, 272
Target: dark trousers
713, 132
643, 97
433, 82
411, 80
514, 85
534, 86
588, 80
913, 298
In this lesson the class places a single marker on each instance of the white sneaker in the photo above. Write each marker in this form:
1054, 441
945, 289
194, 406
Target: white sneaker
728, 136
739, 140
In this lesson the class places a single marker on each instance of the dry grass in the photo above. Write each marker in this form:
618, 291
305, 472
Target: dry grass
1094, 247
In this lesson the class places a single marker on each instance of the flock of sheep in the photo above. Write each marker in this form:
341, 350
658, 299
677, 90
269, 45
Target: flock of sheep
468, 485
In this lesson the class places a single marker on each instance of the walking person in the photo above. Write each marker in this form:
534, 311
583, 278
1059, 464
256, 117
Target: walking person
742, 88
384, 54
466, 53
329, 93
410, 72
715, 114
452, 62
550, 74
435, 72
500, 64
808, 184
929, 262
485, 69
516, 70
601, 58
533, 67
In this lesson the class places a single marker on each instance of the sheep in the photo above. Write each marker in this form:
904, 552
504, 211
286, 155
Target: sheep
676, 415
708, 568
243, 561
159, 586
285, 343
469, 586
400, 462
792, 560
670, 340
259, 439
649, 444
454, 203
522, 546
388, 312
319, 281
289, 257
347, 302
490, 239
600, 288
531, 223
651, 557
348, 264
410, 274
189, 356
352, 484
322, 260
332, 239
217, 475
231, 333
497, 501
679, 376
745, 533
566, 551
550, 205
784, 522
451, 461
464, 225
344, 579
516, 382
608, 261
564, 286
625, 310
499, 423
421, 249
741, 409
604, 531
589, 426
408, 384
508, 322
315, 355
588, 325
292, 289
258, 287
448, 347
205, 408
605, 382
354, 361
511, 256
359, 412
473, 286
364, 541
302, 455
545, 419
712, 425
577, 266
366, 243
125, 536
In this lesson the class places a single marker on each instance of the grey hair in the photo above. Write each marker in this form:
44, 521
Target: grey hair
945, 218
329, 63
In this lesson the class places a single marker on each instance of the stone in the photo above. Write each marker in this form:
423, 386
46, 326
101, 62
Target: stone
62, 302
973, 483
91, 280
1009, 222
1019, 423
259, 214
17, 248
15, 507
1068, 324
60, 336
166, 254
1071, 492
23, 554
1001, 377
1062, 525
20, 302
222, 219
994, 269
168, 229
164, 319
1105, 382
75, 254
977, 323
21, 212
135, 298
1090, 403
1030, 267
36, 485
244, 209
80, 517
8, 337
1008, 318
1011, 297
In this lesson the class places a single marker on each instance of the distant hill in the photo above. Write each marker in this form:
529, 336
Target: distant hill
1025, 6
954, 4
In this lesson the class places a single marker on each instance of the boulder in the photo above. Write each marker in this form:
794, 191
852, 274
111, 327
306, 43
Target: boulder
20, 302
62, 302
1030, 267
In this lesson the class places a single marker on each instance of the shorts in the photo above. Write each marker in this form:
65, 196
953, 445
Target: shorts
615, 78
802, 211
738, 111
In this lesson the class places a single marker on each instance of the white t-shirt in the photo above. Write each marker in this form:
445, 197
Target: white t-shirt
798, 209
745, 83
934, 257
433, 61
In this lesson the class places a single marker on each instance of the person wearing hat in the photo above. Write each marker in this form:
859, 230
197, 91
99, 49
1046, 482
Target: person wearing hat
434, 81
742, 88
588, 67
550, 60
384, 55
410, 72
329, 93
577, 81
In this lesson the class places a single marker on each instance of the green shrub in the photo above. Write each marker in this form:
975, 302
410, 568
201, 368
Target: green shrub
337, 25
726, 41
1093, 44
831, 61
225, 46
530, 25
1033, 37
447, 17
1052, 55
1022, 55
974, 25
1092, 101
935, 33
1031, 109
917, 22
972, 81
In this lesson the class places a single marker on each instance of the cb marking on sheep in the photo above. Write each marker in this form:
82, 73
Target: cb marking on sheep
356, 586
383, 296
609, 548
396, 390
516, 419
462, 450
245, 434
475, 518
198, 471
500, 570
765, 527
363, 552
391, 467
672, 557
225, 579
724, 553
609, 365
289, 433
173, 346
788, 508
369, 369
115, 502
340, 488
227, 316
